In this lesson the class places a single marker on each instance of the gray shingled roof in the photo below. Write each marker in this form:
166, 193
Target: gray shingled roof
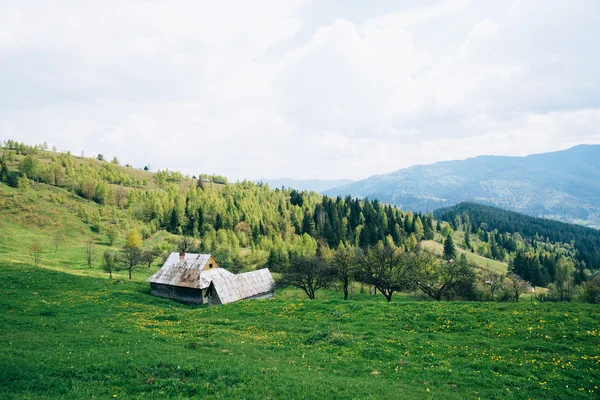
232, 288
188, 273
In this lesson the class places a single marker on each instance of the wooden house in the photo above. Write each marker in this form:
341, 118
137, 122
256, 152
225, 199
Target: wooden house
199, 279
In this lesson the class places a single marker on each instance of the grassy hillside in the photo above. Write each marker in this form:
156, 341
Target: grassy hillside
69, 336
37, 215
485, 264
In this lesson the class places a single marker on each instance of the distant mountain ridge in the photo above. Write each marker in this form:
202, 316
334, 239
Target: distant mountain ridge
562, 185
316, 185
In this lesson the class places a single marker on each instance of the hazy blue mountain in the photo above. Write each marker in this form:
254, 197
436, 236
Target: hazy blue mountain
563, 185
316, 185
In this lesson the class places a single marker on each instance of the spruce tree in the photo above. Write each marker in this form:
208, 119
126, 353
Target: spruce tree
174, 222
449, 249
467, 240
4, 173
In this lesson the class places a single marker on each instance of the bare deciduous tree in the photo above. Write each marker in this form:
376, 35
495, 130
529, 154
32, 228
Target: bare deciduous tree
442, 279
309, 273
90, 250
58, 238
515, 286
185, 244
493, 281
110, 261
387, 269
148, 257
36, 252
121, 194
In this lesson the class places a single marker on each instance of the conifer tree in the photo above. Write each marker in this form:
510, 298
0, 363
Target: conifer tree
467, 240
174, 222
449, 249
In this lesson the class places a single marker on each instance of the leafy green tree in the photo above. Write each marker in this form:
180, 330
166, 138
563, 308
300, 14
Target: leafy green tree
88, 187
112, 233
564, 279
446, 230
449, 249
344, 264
591, 291
23, 183
131, 253
418, 229
58, 174
31, 167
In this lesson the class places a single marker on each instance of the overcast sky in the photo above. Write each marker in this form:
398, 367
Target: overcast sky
301, 89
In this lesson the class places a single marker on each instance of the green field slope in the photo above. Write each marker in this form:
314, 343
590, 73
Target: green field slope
37, 215
73, 337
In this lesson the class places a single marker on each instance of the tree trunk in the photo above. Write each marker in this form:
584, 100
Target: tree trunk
130, 269
345, 291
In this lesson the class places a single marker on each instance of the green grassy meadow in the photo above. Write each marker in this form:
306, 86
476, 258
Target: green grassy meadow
70, 336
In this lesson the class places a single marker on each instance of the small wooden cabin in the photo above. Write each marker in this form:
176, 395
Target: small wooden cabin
199, 279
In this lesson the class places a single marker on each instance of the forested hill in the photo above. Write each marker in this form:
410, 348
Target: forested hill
315, 185
586, 241
563, 185
240, 222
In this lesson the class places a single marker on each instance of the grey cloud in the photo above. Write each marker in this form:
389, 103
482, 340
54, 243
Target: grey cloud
299, 89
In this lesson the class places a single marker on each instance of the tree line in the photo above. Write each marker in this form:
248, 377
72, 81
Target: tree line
388, 270
557, 261
585, 241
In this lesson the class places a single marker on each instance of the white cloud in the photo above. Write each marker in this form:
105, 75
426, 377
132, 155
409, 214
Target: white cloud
234, 88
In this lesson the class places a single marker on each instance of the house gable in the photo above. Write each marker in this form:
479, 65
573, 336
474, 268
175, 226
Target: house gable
211, 263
